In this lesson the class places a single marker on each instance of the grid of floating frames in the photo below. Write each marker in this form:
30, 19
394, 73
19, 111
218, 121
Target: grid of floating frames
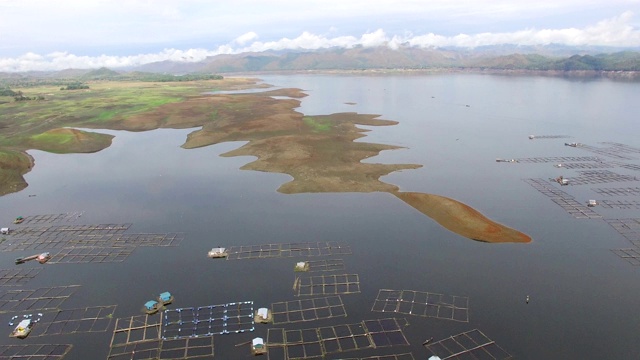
13, 277
421, 303
34, 351
51, 218
586, 165
139, 337
631, 255
333, 284
284, 250
599, 177
626, 191
70, 230
467, 345
566, 201
620, 204
534, 137
316, 343
236, 317
405, 356
47, 298
629, 228
307, 310
556, 159
71, 321
615, 150
325, 265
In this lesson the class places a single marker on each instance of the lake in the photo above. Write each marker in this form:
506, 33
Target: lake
582, 296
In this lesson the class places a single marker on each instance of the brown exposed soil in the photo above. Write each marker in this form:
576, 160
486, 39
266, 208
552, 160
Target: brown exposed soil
461, 218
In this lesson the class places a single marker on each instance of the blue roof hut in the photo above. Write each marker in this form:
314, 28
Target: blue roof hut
165, 298
151, 307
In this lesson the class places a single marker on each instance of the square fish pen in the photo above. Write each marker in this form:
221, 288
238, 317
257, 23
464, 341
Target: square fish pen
333, 284
48, 298
425, 304
52, 218
83, 255
325, 265
285, 250
556, 159
137, 328
307, 310
625, 191
619, 152
71, 321
35, 351
228, 318
316, 343
564, 200
629, 228
599, 177
189, 348
13, 277
620, 204
467, 345
405, 356
631, 255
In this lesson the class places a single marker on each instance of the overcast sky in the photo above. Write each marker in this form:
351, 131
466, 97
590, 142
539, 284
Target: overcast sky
54, 35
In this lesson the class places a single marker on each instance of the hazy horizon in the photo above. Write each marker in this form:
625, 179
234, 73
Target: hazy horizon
92, 34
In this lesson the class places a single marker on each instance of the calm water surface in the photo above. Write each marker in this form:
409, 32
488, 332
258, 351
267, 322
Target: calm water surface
583, 298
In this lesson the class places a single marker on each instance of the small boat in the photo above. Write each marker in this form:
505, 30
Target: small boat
18, 220
165, 298
218, 252
23, 329
151, 307
592, 203
258, 346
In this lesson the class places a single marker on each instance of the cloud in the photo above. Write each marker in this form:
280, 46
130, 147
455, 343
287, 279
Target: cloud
616, 31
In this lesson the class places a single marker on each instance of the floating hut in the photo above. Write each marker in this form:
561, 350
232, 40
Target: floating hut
562, 181
573, 144
165, 298
263, 316
218, 252
5, 231
18, 220
258, 347
531, 137
301, 266
151, 307
592, 203
23, 329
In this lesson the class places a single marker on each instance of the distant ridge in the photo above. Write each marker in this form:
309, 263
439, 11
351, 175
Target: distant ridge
100, 74
361, 58
538, 60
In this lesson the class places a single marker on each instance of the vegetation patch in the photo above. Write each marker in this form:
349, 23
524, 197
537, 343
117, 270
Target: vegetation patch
316, 125
64, 141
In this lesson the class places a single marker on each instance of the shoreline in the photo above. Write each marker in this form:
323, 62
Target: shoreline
618, 75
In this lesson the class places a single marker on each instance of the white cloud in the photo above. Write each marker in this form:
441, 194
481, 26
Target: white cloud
616, 31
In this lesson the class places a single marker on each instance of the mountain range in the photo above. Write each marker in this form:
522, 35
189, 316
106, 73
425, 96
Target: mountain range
506, 58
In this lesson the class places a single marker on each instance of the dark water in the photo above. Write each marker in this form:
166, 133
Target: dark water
583, 298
